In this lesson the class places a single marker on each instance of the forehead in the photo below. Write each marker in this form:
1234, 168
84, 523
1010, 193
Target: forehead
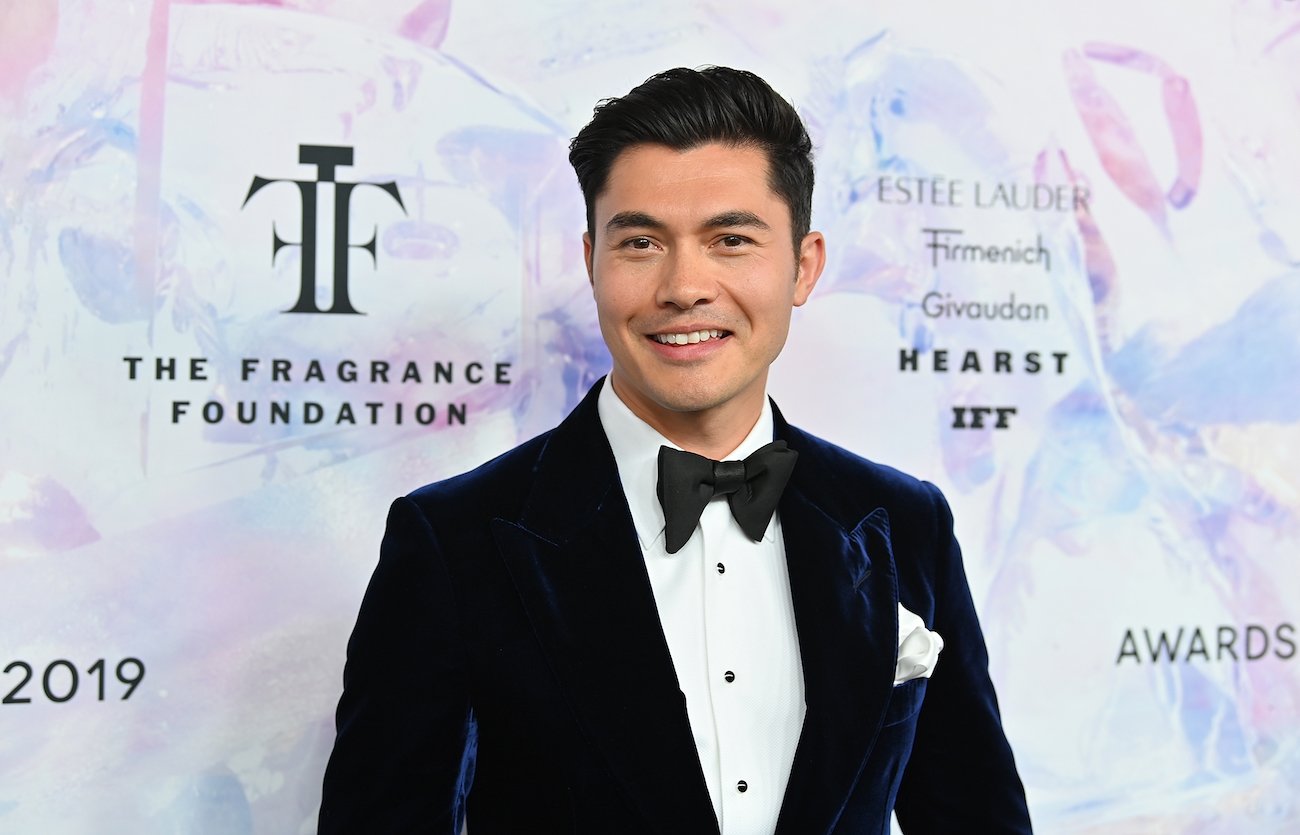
699, 181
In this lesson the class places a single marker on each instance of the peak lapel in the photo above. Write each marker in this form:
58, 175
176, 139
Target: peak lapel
845, 594
578, 568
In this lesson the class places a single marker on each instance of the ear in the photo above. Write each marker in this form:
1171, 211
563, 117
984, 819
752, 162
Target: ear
812, 259
586, 256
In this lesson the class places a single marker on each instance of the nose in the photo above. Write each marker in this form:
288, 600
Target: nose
685, 281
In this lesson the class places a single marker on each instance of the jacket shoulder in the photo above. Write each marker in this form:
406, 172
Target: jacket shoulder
495, 488
856, 485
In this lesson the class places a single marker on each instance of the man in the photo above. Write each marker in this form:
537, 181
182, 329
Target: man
551, 643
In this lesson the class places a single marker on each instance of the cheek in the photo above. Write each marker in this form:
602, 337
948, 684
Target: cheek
614, 301
773, 309
612, 314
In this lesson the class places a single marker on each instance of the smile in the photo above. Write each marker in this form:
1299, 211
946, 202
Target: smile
689, 338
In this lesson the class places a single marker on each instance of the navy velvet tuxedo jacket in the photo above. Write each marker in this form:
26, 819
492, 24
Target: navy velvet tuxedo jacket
508, 661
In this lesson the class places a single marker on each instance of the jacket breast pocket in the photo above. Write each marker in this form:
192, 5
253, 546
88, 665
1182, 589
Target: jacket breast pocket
904, 701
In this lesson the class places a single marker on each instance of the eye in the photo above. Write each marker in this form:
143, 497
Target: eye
638, 243
733, 241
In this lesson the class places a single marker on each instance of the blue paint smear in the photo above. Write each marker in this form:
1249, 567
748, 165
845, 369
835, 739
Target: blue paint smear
102, 274
1081, 473
1245, 370
505, 164
212, 804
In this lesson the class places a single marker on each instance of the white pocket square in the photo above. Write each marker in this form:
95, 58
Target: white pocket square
918, 648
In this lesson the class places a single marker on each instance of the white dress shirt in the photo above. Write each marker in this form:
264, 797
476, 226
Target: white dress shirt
724, 602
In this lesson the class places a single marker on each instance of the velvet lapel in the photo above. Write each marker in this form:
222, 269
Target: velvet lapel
574, 558
845, 596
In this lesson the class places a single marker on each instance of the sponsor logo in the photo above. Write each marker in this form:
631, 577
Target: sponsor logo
942, 191
937, 305
946, 246
979, 362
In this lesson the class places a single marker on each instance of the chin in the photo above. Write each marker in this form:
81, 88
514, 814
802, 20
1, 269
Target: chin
681, 391
684, 400
684, 405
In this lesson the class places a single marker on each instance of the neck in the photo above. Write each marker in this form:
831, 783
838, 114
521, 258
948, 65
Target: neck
713, 433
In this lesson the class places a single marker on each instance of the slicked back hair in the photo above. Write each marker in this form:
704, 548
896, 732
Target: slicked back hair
683, 109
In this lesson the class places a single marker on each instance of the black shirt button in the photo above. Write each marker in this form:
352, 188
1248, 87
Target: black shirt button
729, 676
742, 786
722, 569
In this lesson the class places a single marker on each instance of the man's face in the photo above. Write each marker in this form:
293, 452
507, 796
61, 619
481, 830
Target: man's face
695, 277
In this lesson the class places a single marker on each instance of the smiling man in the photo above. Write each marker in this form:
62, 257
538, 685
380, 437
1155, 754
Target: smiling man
676, 613
694, 274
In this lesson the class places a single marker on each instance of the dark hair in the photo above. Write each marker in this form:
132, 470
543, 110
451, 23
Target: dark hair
682, 109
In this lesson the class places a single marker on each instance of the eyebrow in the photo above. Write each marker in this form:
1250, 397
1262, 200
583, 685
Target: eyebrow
726, 220
633, 220
736, 218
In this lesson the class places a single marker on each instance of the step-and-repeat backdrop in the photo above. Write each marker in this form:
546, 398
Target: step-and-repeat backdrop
267, 266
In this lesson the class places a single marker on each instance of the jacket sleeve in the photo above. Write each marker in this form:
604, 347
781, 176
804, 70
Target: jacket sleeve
961, 776
403, 759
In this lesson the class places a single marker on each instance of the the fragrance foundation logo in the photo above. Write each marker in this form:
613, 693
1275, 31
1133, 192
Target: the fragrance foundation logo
335, 389
347, 391
327, 159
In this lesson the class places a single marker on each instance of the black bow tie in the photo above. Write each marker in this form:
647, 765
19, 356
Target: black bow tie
753, 487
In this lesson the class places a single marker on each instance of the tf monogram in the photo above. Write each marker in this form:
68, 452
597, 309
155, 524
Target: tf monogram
326, 158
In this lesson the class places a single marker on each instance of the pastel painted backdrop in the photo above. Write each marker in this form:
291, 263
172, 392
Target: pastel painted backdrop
1064, 284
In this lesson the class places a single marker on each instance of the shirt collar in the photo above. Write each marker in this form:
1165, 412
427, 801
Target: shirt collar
636, 453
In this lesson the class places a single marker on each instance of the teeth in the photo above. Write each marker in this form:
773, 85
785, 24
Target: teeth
687, 338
